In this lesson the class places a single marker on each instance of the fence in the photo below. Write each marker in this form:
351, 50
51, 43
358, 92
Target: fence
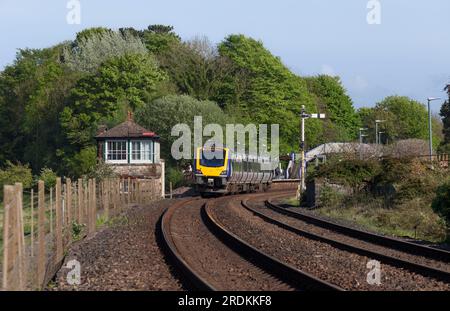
35, 238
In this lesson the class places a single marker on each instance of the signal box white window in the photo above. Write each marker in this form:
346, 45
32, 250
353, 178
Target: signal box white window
142, 151
116, 151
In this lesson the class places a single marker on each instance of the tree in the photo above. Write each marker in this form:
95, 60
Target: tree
332, 99
162, 114
196, 68
97, 45
128, 80
272, 94
441, 203
404, 119
13, 173
158, 38
445, 114
33, 93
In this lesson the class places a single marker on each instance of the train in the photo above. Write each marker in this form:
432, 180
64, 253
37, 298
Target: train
229, 173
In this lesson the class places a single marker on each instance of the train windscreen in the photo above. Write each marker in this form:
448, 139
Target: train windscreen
212, 158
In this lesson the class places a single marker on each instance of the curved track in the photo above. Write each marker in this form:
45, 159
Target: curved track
401, 245
220, 260
364, 249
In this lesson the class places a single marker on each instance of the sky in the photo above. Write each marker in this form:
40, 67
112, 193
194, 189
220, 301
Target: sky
406, 53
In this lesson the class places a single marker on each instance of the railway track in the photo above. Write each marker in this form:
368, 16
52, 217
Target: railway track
211, 257
365, 249
398, 244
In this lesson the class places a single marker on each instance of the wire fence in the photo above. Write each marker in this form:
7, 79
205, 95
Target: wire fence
40, 225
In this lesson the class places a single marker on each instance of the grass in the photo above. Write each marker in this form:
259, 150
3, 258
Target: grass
413, 219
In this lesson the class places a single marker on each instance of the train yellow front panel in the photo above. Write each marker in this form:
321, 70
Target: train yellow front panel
211, 171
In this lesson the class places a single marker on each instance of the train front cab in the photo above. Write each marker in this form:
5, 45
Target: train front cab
211, 175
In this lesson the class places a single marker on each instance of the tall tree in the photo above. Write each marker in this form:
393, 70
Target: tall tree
331, 98
272, 93
404, 118
196, 68
130, 80
33, 93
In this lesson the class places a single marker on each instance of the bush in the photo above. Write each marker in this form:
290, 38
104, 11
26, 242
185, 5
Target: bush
330, 197
48, 177
441, 203
353, 173
101, 171
13, 173
175, 176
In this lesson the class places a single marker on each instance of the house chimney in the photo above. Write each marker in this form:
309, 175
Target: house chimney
101, 129
130, 116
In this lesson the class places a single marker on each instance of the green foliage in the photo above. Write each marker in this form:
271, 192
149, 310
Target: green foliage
445, 114
175, 176
354, 173
330, 197
95, 46
90, 33
158, 38
13, 173
405, 119
195, 68
101, 171
77, 230
48, 176
129, 80
342, 122
79, 163
32, 95
441, 203
162, 114
272, 94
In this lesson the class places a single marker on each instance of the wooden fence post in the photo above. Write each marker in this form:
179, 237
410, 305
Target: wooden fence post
41, 234
74, 202
59, 221
129, 190
69, 210
80, 200
86, 203
8, 234
51, 210
106, 192
18, 188
32, 223
13, 239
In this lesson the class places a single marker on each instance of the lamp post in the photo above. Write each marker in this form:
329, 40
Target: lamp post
361, 135
376, 129
304, 116
430, 129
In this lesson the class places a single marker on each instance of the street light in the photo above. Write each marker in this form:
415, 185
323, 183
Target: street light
430, 133
376, 129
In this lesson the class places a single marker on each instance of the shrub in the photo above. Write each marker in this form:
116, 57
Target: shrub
441, 203
330, 197
13, 173
48, 177
354, 173
101, 171
175, 176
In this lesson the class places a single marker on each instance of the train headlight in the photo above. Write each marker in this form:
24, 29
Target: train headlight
224, 173
198, 172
